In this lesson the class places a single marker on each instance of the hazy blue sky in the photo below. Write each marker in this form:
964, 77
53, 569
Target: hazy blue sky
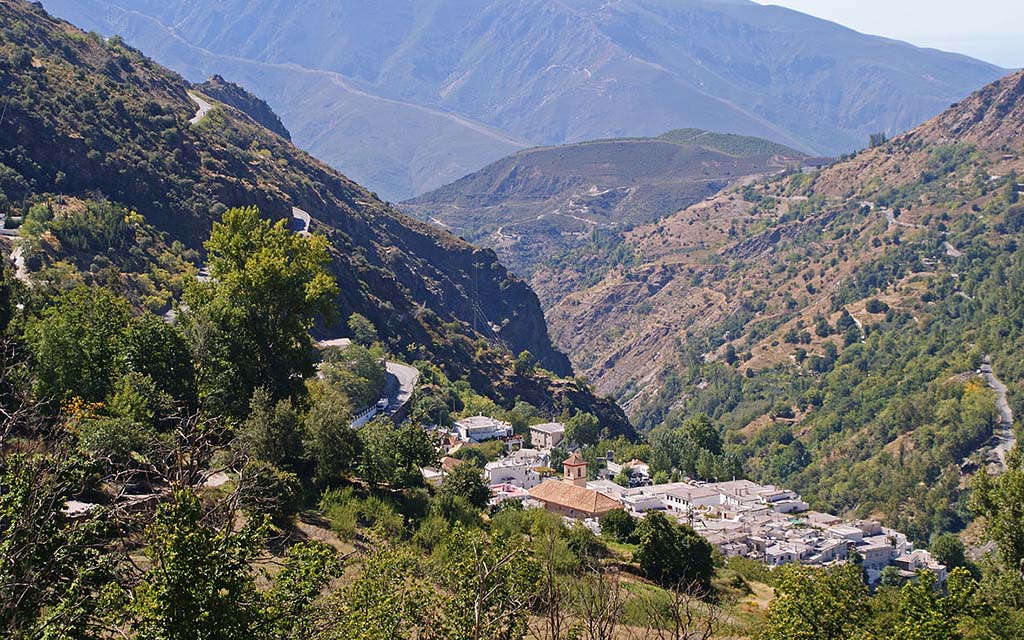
992, 30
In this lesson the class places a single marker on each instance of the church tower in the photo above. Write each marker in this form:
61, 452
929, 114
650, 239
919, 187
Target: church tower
575, 470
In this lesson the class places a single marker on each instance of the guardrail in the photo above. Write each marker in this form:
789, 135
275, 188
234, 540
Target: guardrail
363, 417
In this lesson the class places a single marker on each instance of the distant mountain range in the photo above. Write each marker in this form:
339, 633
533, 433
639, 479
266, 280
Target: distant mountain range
409, 95
541, 204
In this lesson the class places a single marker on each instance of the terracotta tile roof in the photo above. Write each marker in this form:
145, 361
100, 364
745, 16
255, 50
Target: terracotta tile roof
575, 460
569, 496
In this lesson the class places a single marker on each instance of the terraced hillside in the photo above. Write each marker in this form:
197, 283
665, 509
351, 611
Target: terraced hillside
832, 322
539, 204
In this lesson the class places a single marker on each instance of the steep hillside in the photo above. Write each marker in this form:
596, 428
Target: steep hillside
231, 94
538, 204
407, 96
832, 322
96, 120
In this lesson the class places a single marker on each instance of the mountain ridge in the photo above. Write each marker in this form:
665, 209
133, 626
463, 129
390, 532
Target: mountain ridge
833, 323
592, 71
546, 203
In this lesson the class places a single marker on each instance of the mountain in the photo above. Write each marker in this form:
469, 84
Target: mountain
236, 96
87, 121
833, 322
410, 95
541, 203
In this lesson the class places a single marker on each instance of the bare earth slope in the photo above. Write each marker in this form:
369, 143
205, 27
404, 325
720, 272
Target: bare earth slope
776, 254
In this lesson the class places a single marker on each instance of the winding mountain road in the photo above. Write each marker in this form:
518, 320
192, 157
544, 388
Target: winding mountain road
204, 108
300, 221
403, 384
20, 270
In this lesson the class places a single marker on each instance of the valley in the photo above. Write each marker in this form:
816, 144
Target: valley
640, 381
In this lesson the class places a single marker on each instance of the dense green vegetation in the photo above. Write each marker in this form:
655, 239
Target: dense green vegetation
889, 411
97, 414
817, 603
135, 417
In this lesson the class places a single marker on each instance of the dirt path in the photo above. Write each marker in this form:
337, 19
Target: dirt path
890, 215
1004, 438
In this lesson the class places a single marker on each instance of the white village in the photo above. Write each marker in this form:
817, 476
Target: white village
740, 518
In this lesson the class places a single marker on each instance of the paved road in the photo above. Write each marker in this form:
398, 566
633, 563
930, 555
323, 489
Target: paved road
300, 221
1004, 439
400, 393
204, 108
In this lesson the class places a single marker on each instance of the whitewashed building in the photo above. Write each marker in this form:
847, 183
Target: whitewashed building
482, 429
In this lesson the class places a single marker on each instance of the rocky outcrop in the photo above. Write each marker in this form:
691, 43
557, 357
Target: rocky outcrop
230, 93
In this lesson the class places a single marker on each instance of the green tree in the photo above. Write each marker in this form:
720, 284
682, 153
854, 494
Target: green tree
6, 297
363, 331
930, 615
466, 482
812, 603
891, 577
582, 428
332, 444
136, 398
265, 490
249, 326
490, 583
672, 554
1001, 502
308, 568
623, 477
822, 328
74, 344
200, 586
358, 372
949, 550
393, 455
50, 568
704, 434
272, 432
156, 349
524, 363
618, 525
387, 600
